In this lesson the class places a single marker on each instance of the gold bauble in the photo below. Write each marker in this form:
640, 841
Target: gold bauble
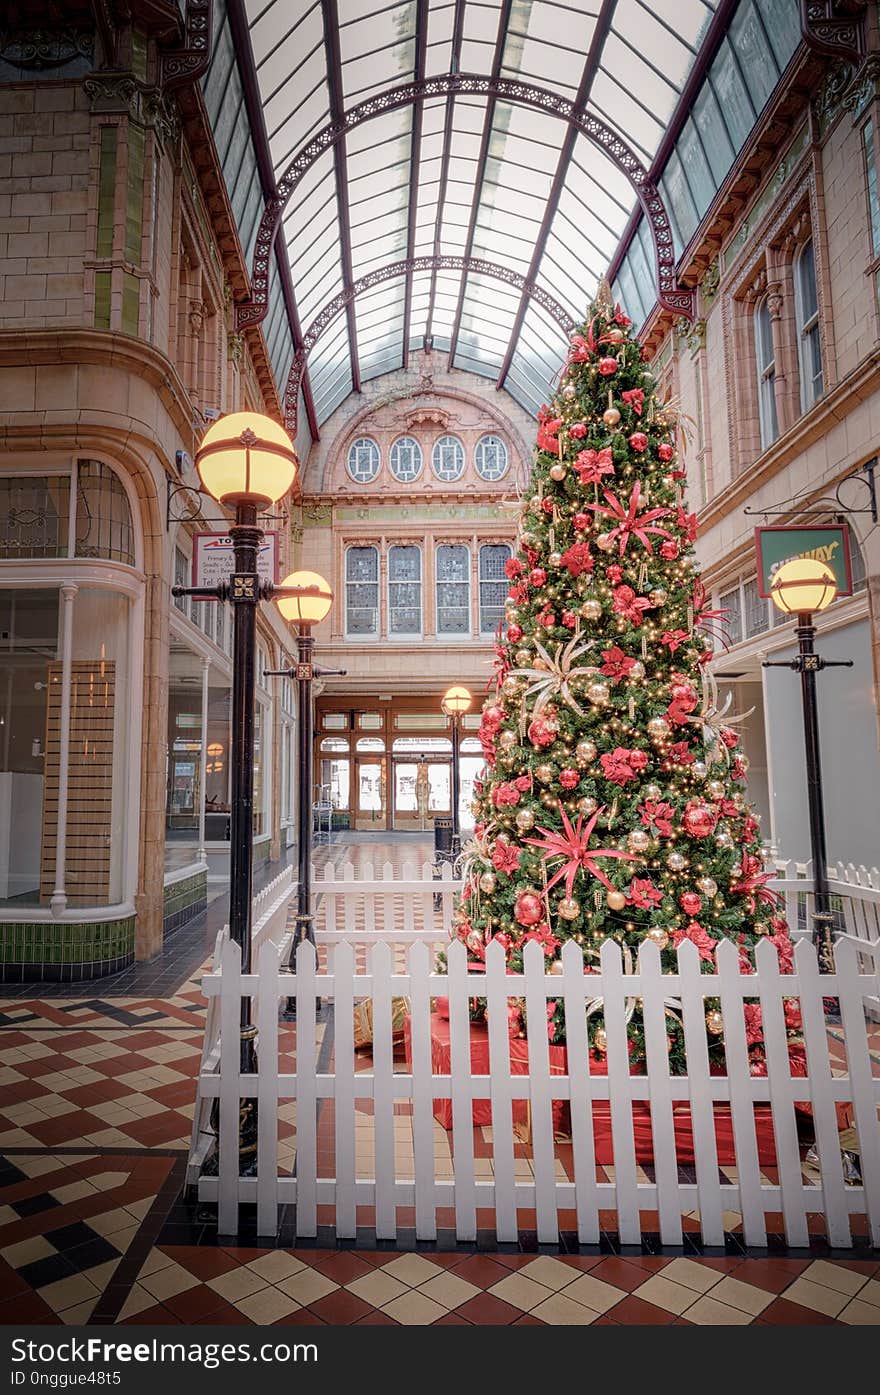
597, 693
536, 504
657, 596
638, 841
714, 1022
605, 542
585, 752
568, 908
600, 1040
512, 615
699, 770
658, 728
637, 671
723, 838
652, 791
615, 900
614, 335
611, 416
707, 885
555, 559
558, 472
587, 805
715, 789
544, 773
540, 663
524, 820
569, 391
523, 658
510, 687
591, 610
658, 936
676, 862
488, 883
508, 739
475, 940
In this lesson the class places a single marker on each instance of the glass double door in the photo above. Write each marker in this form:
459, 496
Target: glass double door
421, 790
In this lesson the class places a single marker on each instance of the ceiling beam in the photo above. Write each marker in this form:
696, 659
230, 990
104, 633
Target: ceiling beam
330, 12
454, 67
482, 161
244, 57
718, 27
415, 155
591, 67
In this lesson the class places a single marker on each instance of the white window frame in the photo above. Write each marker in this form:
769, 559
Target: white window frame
496, 440
374, 634
359, 444
442, 444
765, 373
807, 326
453, 635
416, 453
391, 581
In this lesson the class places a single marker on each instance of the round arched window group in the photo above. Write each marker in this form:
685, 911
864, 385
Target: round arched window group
448, 459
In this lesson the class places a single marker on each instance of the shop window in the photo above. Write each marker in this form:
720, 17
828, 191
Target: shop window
362, 591
363, 460
731, 622
370, 745
34, 516
405, 590
871, 187
754, 609
807, 320
406, 459
103, 517
493, 585
370, 721
490, 458
335, 721
765, 363
453, 589
857, 563
447, 459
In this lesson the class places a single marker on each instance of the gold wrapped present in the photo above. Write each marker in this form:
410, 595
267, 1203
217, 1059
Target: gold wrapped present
363, 1022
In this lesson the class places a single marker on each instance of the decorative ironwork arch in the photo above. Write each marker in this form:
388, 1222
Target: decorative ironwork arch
390, 272
676, 298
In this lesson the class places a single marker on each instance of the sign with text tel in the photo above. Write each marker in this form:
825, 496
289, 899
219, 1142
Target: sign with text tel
829, 544
213, 558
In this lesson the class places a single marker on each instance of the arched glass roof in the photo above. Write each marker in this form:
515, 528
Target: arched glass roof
472, 175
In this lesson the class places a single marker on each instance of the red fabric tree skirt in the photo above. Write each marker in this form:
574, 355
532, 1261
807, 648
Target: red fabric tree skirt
519, 1056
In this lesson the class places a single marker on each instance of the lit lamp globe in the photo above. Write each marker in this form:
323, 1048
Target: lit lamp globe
246, 458
456, 700
803, 586
312, 601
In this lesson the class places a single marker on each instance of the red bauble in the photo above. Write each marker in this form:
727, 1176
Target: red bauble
699, 818
493, 716
528, 908
537, 576
569, 779
638, 440
690, 903
665, 451
514, 632
582, 522
542, 731
607, 366
683, 694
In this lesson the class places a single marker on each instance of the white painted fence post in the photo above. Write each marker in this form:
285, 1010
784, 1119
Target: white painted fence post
693, 986
306, 1092
344, 1097
741, 1094
659, 1085
614, 991
267, 1098
422, 1095
462, 1098
541, 1105
583, 1142
499, 1083
788, 1160
383, 1092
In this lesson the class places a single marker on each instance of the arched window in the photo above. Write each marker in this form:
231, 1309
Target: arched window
453, 589
35, 515
362, 591
447, 459
493, 584
765, 363
405, 590
490, 458
363, 460
406, 459
806, 303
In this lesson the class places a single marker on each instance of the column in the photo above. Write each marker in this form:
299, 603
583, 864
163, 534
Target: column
58, 902
203, 760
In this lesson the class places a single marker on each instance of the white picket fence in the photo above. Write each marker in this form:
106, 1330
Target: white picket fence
629, 1189
855, 895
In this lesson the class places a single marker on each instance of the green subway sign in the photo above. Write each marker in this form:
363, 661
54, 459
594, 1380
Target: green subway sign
830, 544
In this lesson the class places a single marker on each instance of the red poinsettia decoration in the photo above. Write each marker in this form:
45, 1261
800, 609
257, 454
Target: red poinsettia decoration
643, 894
572, 845
673, 639
699, 936
591, 465
577, 559
616, 664
631, 520
505, 857
751, 883
620, 765
657, 814
629, 605
635, 398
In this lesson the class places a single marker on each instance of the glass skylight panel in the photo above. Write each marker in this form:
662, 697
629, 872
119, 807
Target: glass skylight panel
713, 131
751, 41
441, 21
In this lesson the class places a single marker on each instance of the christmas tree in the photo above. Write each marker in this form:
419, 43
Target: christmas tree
612, 803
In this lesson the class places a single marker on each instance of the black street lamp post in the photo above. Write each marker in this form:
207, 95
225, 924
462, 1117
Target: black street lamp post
456, 702
802, 587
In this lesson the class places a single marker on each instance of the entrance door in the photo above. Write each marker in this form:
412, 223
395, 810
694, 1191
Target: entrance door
369, 794
409, 794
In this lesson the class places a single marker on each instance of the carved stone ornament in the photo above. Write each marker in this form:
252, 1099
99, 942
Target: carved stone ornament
427, 416
830, 97
235, 349
691, 333
121, 94
710, 282
188, 60
865, 87
36, 50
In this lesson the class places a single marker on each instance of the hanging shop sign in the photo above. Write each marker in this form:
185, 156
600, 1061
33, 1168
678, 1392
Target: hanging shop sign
830, 544
213, 558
